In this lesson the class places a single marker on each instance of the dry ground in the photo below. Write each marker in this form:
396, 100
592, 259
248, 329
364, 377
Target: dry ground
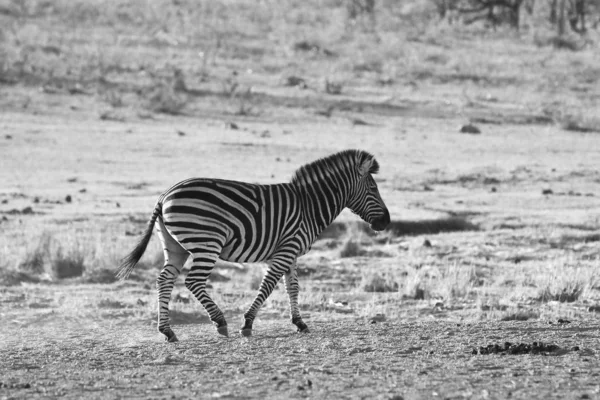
494, 236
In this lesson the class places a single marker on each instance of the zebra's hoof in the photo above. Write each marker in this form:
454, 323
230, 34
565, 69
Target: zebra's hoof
170, 336
172, 339
223, 330
246, 332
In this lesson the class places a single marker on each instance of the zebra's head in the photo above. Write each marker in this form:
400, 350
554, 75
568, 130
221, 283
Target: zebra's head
365, 200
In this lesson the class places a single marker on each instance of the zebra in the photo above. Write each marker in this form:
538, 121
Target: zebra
236, 221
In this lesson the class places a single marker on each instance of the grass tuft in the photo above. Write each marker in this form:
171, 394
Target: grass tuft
378, 281
68, 264
568, 294
36, 259
351, 248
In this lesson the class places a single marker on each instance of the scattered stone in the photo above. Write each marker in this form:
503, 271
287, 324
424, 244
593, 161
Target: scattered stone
379, 317
516, 349
181, 133
182, 298
595, 308
470, 129
563, 321
333, 87
5, 201
232, 126
141, 302
68, 198
419, 294
25, 211
493, 189
359, 122
575, 348
82, 190
118, 205
547, 191
305, 45
72, 180
427, 188
8, 137
36, 200
426, 243
326, 113
296, 81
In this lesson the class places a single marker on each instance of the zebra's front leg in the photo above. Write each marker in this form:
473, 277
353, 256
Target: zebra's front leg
164, 286
276, 269
196, 282
292, 288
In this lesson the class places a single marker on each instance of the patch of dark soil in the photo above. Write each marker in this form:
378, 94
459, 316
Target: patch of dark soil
573, 239
520, 316
521, 348
13, 278
403, 227
186, 318
431, 226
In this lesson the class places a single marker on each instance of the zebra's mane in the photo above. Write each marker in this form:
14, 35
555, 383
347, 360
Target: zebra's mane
352, 158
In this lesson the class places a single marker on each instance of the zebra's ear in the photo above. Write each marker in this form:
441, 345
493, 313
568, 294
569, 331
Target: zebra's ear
368, 165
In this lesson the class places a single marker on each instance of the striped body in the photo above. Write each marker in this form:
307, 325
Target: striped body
251, 221
207, 219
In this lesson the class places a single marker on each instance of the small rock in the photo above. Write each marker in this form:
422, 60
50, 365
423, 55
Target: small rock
71, 180
232, 126
7, 137
82, 190
575, 348
493, 189
5, 201
68, 198
36, 200
181, 133
426, 243
419, 294
379, 317
296, 81
471, 129
563, 321
547, 191
118, 205
359, 122
27, 210
141, 302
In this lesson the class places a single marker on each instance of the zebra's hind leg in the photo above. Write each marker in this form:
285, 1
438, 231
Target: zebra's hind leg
175, 257
203, 264
276, 269
292, 288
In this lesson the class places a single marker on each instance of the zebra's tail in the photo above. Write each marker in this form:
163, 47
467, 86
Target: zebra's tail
129, 262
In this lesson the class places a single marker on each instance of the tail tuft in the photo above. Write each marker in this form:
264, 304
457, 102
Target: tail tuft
129, 262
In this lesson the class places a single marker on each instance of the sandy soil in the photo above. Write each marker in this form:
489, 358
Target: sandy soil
494, 236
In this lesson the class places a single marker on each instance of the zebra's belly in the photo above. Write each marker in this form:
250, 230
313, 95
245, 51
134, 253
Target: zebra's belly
238, 251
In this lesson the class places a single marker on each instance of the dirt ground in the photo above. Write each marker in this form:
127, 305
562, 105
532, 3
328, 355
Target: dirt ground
494, 235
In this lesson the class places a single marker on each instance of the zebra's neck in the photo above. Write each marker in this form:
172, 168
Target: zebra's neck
322, 201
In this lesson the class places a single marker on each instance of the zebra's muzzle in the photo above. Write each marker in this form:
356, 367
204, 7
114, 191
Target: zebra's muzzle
382, 222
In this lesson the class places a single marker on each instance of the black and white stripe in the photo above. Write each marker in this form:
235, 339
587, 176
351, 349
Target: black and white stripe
209, 219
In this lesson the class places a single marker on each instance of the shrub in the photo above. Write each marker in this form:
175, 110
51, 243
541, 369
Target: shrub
68, 265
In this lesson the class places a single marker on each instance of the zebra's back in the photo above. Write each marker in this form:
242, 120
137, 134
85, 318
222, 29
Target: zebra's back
249, 220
